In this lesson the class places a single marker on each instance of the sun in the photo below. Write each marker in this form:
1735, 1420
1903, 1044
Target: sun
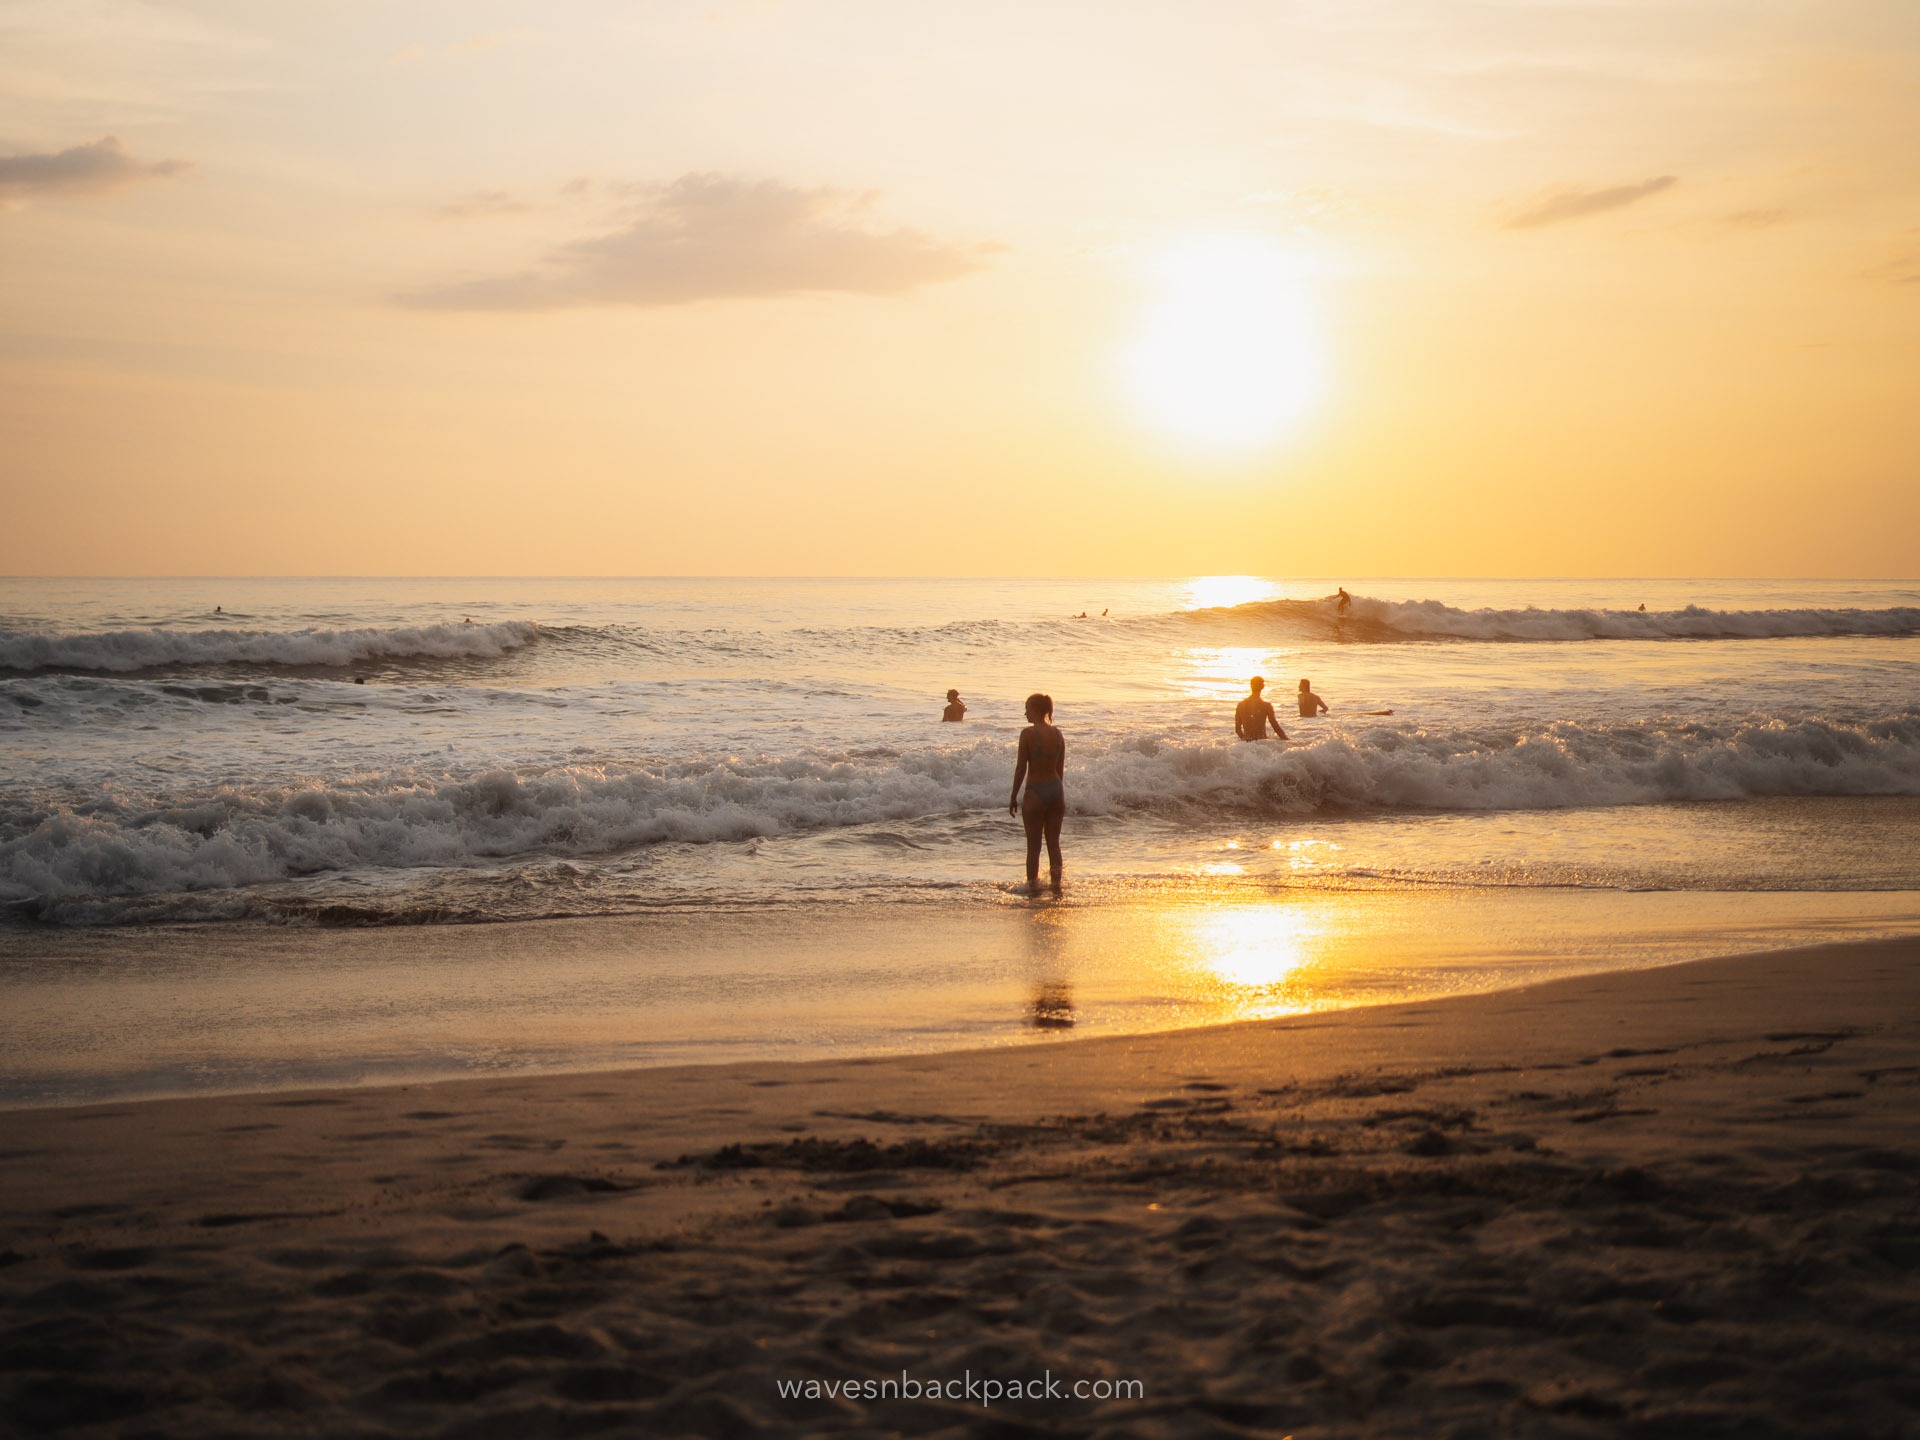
1228, 353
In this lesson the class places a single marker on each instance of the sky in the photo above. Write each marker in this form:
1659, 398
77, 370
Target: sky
881, 287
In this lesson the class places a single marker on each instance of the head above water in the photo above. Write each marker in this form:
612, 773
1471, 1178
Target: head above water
953, 694
1039, 706
1306, 684
1257, 684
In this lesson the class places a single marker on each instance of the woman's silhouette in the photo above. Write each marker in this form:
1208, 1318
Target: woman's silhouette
1042, 763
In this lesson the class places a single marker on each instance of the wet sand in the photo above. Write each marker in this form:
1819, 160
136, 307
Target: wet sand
1682, 1202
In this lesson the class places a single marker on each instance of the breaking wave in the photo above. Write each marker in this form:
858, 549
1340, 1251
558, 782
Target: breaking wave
123, 651
1371, 621
1395, 620
55, 857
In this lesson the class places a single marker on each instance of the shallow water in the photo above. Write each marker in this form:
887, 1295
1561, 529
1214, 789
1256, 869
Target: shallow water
595, 747
94, 1015
321, 756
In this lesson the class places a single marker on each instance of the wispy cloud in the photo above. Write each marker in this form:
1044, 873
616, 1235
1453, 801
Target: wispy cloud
103, 165
1558, 206
713, 237
1759, 219
472, 45
1903, 269
482, 203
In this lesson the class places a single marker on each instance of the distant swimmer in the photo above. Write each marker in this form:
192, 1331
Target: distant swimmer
1346, 601
1310, 703
1643, 606
956, 707
1081, 616
468, 620
1042, 763
1103, 614
218, 611
1252, 715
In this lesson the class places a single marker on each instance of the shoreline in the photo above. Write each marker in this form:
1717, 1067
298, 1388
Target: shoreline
1670, 1201
87, 1018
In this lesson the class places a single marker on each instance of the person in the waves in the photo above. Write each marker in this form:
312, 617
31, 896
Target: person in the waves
1042, 764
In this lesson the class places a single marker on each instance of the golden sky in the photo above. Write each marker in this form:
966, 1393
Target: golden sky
1363, 287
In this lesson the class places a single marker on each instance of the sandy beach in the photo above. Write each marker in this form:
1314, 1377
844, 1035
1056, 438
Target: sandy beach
1676, 1202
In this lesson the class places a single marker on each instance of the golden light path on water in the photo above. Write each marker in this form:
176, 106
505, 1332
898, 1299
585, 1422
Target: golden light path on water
1256, 949
1206, 672
254, 1010
1219, 592
1201, 670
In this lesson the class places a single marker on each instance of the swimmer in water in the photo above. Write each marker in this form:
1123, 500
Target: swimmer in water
1252, 715
1042, 763
1310, 703
956, 707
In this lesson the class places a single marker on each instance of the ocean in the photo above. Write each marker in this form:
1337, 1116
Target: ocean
372, 779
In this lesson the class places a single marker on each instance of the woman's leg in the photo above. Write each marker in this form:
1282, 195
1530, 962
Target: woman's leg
1034, 818
1055, 814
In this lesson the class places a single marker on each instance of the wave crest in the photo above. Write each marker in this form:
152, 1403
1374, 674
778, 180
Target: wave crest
239, 837
122, 651
1398, 620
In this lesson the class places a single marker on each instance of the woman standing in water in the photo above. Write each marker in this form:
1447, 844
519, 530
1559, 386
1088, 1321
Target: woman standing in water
1042, 763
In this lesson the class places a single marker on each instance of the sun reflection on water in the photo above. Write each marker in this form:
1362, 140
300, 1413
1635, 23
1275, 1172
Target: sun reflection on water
1255, 949
1211, 592
1212, 671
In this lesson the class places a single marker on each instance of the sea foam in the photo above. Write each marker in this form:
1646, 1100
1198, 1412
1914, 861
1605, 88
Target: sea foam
131, 650
1391, 620
125, 845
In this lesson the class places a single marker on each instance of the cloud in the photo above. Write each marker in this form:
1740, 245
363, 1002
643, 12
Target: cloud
484, 202
1901, 270
103, 165
1759, 219
472, 45
1566, 204
716, 237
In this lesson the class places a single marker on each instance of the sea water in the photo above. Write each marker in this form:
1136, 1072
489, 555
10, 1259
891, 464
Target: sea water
223, 760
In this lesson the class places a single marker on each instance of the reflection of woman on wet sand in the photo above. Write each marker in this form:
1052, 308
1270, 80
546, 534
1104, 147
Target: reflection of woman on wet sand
1052, 1007
1042, 763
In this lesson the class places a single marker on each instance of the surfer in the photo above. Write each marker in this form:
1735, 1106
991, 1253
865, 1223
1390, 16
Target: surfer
1042, 763
1310, 703
1346, 601
1252, 715
956, 707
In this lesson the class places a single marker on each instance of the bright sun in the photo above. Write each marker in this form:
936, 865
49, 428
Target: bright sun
1227, 355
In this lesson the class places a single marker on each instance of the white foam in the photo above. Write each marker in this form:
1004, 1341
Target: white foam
122, 845
1431, 619
129, 650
